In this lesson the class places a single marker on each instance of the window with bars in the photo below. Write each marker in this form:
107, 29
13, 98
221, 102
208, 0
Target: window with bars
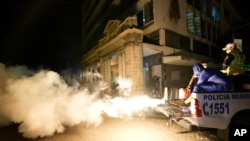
199, 22
193, 23
207, 7
215, 13
140, 18
197, 25
190, 21
146, 14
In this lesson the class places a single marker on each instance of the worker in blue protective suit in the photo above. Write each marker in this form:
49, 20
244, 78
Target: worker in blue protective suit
210, 80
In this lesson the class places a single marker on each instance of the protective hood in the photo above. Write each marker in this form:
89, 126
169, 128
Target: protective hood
197, 69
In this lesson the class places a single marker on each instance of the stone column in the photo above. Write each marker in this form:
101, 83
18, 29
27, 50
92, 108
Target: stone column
121, 65
102, 68
105, 71
134, 67
108, 73
133, 59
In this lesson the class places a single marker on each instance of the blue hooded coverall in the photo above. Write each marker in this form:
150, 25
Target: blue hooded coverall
210, 80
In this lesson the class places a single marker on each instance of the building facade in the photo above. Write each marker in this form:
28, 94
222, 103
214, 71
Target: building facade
161, 39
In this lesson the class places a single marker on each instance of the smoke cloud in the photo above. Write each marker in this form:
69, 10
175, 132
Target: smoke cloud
43, 104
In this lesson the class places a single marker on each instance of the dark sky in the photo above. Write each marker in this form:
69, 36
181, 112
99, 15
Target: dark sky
40, 33
242, 30
48, 33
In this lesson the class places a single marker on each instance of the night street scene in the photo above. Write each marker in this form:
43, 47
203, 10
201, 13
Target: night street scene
124, 70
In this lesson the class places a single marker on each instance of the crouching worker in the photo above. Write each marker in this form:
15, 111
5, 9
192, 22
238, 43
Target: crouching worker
210, 80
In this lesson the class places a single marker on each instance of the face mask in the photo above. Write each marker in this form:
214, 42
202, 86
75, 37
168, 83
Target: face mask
196, 75
204, 65
228, 51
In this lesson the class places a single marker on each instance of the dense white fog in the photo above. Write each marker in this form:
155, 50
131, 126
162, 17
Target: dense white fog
43, 104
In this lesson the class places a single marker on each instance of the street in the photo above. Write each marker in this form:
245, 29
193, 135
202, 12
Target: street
117, 129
